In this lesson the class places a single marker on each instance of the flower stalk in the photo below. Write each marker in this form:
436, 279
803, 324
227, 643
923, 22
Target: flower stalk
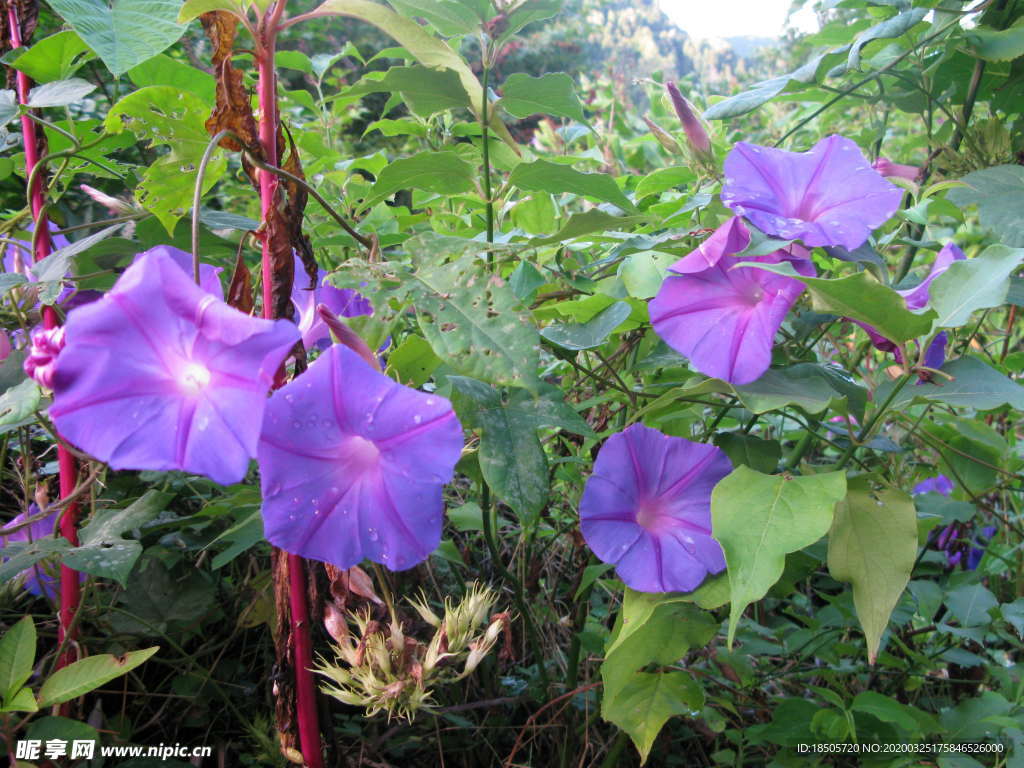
70, 587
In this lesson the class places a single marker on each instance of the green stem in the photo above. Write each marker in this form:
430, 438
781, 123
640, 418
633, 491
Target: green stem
866, 430
517, 587
485, 133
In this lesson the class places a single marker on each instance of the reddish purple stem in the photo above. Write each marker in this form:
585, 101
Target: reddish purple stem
70, 587
305, 689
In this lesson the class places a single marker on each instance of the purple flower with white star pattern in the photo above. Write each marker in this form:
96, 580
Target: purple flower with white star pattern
828, 196
353, 465
161, 375
724, 318
647, 509
38, 579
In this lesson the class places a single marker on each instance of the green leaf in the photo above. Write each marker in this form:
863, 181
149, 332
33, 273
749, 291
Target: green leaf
974, 385
535, 214
550, 94
17, 655
765, 91
544, 176
163, 70
806, 385
426, 91
22, 556
759, 519
888, 710
643, 273
55, 266
973, 284
999, 194
21, 700
580, 224
160, 602
89, 674
427, 49
648, 700
593, 333
60, 93
873, 545
443, 173
125, 34
970, 604
860, 297
64, 729
8, 107
241, 537
1013, 614
56, 57
104, 551
446, 16
760, 455
413, 361
996, 44
174, 117
898, 25
19, 402
192, 9
664, 179
474, 322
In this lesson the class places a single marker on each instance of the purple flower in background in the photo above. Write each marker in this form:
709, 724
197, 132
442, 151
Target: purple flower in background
36, 580
722, 318
827, 196
960, 549
353, 465
938, 484
917, 299
5, 346
19, 258
161, 375
888, 168
918, 296
342, 302
647, 509
209, 275
42, 354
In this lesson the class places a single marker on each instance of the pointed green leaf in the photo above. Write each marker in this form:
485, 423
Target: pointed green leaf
89, 674
126, 33
873, 545
970, 604
550, 94
898, 25
60, 93
21, 700
17, 655
647, 701
999, 194
973, 284
427, 49
474, 322
759, 519
588, 223
974, 385
997, 44
426, 91
444, 173
593, 333
556, 178
19, 402
56, 57
104, 551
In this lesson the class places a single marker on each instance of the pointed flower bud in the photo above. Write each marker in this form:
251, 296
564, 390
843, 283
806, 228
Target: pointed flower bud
670, 144
693, 126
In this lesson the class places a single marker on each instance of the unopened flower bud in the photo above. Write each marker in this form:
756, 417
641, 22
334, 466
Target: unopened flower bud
887, 167
115, 205
693, 126
46, 345
670, 144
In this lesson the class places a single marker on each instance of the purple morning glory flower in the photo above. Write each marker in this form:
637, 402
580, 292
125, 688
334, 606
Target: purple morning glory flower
353, 465
918, 296
36, 579
342, 302
161, 375
209, 275
722, 318
647, 509
938, 484
828, 196
40, 363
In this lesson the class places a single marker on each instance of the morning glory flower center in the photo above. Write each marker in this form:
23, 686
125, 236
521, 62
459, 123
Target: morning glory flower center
194, 377
650, 513
360, 452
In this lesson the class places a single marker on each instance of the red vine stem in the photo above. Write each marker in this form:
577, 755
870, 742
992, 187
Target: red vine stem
70, 589
305, 689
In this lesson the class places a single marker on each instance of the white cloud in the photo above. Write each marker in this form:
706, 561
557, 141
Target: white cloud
732, 18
